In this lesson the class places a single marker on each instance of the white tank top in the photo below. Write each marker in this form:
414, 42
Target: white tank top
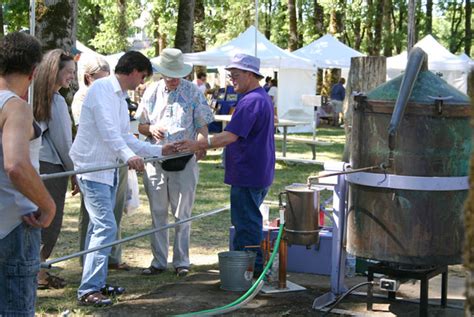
13, 204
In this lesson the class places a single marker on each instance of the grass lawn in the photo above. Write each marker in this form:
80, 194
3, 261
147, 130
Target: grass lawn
208, 235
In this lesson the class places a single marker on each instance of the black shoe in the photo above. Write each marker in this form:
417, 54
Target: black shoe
112, 290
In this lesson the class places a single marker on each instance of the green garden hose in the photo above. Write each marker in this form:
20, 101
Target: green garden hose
251, 292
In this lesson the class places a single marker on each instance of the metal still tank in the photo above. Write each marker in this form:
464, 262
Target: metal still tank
301, 215
411, 212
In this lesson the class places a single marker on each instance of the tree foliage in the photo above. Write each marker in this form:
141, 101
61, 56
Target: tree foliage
16, 15
377, 27
105, 25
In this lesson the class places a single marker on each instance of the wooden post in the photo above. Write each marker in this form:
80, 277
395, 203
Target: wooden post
366, 73
469, 222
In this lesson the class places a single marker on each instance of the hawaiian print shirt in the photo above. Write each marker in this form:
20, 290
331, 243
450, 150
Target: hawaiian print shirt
181, 112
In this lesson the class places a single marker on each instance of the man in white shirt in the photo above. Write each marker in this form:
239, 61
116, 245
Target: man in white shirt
201, 83
103, 138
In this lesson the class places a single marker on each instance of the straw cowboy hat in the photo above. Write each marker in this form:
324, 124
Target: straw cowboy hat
170, 63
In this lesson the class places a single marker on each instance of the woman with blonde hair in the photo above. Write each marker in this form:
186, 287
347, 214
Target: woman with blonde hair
56, 71
93, 68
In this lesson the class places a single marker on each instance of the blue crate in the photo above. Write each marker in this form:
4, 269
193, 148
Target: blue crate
315, 260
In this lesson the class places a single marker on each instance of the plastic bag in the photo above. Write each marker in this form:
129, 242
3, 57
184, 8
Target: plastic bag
132, 201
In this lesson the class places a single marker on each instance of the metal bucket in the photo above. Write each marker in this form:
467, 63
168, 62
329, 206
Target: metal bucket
302, 215
236, 270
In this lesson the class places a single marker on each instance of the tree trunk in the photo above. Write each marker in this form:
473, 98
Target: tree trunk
358, 35
318, 18
387, 28
156, 32
268, 19
293, 39
56, 28
331, 77
56, 23
300, 22
362, 68
199, 44
468, 29
184, 31
162, 40
336, 25
429, 17
319, 81
122, 26
369, 26
2, 32
399, 27
411, 25
377, 44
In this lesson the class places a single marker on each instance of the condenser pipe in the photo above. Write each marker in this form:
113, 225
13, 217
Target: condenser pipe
417, 61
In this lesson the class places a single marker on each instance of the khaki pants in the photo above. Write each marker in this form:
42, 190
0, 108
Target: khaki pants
337, 109
176, 190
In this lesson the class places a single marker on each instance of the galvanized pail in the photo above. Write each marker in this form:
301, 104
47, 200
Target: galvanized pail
236, 270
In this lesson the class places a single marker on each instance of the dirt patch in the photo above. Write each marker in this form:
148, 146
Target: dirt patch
202, 291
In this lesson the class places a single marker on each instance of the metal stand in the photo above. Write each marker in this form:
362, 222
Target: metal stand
271, 288
423, 275
338, 252
283, 285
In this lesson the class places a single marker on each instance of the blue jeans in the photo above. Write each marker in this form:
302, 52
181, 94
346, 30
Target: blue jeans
19, 265
99, 200
247, 219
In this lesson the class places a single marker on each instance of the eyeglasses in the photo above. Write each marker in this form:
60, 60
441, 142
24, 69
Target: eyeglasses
170, 79
235, 76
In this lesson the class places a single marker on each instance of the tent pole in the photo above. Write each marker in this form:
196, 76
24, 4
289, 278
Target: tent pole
256, 25
32, 17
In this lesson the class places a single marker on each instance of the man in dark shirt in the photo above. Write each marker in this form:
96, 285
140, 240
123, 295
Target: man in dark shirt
338, 93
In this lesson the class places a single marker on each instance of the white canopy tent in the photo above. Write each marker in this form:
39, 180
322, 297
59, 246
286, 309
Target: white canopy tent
452, 68
328, 52
466, 58
296, 76
271, 56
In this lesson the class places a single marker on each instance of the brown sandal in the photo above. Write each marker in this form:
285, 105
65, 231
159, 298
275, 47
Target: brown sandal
51, 281
94, 299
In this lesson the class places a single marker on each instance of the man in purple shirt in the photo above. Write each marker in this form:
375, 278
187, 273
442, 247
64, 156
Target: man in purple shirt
250, 152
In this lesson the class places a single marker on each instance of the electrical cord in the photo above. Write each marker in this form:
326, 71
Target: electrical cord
345, 294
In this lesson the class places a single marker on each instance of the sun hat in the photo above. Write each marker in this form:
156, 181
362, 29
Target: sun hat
245, 62
170, 63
